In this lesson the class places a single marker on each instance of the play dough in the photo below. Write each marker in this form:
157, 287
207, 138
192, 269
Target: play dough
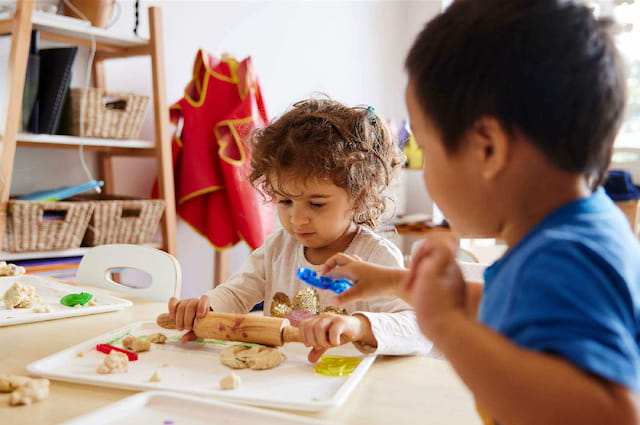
24, 390
230, 382
20, 296
114, 362
10, 269
137, 345
34, 390
157, 338
256, 357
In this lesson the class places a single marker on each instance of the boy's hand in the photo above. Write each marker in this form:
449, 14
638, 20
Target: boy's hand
436, 284
185, 313
370, 280
324, 331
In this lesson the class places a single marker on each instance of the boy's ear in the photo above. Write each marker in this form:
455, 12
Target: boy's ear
491, 142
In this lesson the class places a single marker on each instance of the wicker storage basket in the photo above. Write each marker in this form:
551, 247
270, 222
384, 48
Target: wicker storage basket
121, 219
95, 112
44, 226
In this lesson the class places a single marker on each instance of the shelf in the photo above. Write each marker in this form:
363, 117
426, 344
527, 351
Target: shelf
112, 146
75, 28
75, 31
74, 252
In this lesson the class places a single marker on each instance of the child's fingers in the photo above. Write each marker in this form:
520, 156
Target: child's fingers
355, 293
335, 331
315, 354
320, 331
180, 311
306, 332
190, 314
173, 303
203, 306
337, 260
189, 336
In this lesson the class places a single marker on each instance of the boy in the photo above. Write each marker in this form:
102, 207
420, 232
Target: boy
515, 104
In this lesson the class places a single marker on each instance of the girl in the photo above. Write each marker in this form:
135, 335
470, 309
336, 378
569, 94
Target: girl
327, 167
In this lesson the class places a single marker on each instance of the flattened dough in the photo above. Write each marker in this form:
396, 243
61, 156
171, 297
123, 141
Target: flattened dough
257, 357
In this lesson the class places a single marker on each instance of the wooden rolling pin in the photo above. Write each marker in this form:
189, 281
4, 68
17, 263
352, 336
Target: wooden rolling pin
242, 328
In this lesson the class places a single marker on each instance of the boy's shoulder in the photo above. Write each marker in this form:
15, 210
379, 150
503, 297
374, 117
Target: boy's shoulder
593, 227
584, 248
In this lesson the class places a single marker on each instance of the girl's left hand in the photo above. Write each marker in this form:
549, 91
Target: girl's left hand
436, 285
325, 330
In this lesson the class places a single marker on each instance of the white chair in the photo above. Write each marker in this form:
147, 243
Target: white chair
97, 264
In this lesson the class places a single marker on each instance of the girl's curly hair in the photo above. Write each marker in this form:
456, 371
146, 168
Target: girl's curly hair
322, 138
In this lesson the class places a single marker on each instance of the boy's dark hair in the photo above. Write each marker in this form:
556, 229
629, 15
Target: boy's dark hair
545, 68
322, 138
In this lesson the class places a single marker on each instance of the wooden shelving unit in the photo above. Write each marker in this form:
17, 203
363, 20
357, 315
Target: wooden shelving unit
108, 46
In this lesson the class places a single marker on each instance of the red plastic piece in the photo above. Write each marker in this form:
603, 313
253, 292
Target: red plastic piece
106, 348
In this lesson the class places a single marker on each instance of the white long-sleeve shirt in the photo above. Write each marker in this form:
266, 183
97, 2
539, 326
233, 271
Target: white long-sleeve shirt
272, 268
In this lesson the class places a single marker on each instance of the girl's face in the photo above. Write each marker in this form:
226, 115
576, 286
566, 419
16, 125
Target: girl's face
317, 213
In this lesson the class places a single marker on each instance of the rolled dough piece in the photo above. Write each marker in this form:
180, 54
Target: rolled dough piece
230, 382
134, 344
257, 357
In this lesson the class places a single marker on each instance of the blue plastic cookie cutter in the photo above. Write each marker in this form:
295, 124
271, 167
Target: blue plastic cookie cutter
323, 282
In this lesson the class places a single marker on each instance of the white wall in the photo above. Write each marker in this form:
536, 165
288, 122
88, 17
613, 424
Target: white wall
353, 51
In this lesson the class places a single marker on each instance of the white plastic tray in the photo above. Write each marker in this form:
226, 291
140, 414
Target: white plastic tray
195, 368
158, 408
50, 292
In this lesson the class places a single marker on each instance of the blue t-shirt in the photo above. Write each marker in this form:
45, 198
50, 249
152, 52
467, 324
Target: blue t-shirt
571, 288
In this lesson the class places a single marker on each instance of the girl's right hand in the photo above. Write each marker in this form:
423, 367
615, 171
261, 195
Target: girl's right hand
369, 280
185, 312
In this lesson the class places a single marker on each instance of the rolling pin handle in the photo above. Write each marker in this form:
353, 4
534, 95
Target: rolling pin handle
290, 334
164, 321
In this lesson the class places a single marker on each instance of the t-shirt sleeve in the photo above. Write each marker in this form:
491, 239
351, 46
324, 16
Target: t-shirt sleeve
571, 303
243, 289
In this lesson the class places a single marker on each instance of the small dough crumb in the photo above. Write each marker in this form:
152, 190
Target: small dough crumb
114, 362
34, 390
11, 269
93, 301
155, 377
134, 344
42, 308
80, 354
165, 365
230, 382
256, 357
157, 338
10, 383
20, 296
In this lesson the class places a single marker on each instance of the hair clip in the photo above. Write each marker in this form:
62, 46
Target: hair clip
371, 116
310, 277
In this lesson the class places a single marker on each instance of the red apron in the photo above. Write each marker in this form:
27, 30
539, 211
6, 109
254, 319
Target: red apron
221, 106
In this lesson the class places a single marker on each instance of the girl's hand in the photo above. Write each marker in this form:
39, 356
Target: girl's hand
324, 331
185, 313
436, 284
369, 280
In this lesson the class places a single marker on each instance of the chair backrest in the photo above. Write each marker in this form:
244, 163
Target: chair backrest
96, 265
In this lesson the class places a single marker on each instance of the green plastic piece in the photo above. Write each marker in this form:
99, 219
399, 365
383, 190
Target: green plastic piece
74, 299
